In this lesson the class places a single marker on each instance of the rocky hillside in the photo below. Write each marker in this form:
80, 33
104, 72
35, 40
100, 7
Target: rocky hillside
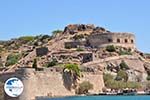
123, 64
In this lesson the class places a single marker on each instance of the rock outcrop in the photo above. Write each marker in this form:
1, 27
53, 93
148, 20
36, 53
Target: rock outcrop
75, 28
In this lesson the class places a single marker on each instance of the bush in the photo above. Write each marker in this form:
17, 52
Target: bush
122, 85
148, 78
148, 85
27, 38
107, 77
84, 87
55, 32
1, 49
123, 52
119, 84
68, 46
123, 65
52, 63
73, 68
12, 59
122, 75
110, 48
79, 49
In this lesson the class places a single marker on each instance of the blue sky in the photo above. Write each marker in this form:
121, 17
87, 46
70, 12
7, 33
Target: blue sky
32, 17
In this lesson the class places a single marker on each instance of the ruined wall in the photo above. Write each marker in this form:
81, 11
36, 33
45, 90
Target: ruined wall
46, 83
74, 44
119, 39
96, 80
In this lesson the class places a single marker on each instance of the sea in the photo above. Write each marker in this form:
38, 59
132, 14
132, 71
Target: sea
101, 98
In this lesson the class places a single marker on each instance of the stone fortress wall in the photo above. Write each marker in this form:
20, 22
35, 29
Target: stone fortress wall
47, 83
104, 38
118, 39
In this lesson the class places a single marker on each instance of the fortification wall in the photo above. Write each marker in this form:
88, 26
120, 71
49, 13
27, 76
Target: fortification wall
46, 83
119, 39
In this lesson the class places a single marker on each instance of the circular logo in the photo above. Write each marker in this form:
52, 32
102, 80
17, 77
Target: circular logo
13, 87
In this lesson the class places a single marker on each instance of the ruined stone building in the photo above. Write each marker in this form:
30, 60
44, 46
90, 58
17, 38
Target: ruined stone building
99, 37
126, 40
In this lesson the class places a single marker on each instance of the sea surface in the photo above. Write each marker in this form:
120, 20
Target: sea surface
101, 98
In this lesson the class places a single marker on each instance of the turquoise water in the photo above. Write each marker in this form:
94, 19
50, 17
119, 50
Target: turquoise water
102, 98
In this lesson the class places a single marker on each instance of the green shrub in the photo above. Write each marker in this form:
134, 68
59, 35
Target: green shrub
107, 77
110, 48
68, 46
12, 59
52, 63
148, 78
84, 87
1, 49
73, 68
122, 75
124, 52
123, 65
113, 84
119, 84
79, 49
55, 32
27, 38
148, 84
133, 85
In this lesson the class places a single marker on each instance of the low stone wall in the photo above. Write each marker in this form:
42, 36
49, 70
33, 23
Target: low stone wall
46, 83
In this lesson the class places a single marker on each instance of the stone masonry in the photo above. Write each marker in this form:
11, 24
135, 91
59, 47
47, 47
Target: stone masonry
47, 83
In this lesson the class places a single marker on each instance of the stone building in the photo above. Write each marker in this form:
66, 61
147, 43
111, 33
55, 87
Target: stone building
97, 40
126, 40
41, 51
98, 37
75, 43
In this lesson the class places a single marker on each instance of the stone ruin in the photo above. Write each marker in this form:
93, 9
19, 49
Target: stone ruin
99, 37
75, 28
41, 51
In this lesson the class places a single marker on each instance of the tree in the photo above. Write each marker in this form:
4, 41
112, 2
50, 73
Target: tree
34, 64
84, 87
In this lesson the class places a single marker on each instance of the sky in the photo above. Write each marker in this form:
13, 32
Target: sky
34, 17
